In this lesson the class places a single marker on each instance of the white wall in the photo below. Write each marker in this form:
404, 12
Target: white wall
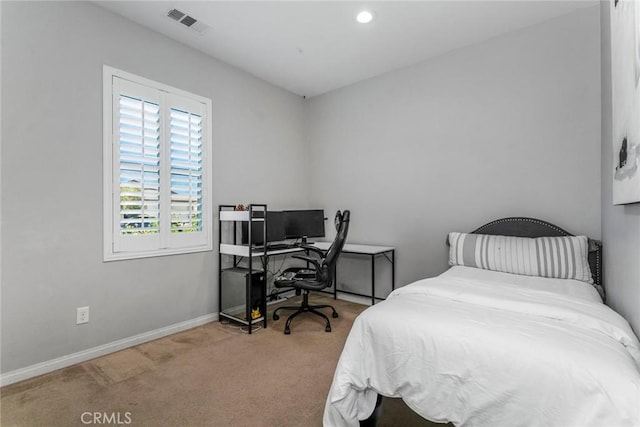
52, 57
510, 126
620, 224
507, 127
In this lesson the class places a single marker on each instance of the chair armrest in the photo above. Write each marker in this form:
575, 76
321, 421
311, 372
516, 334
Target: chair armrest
306, 274
320, 252
308, 259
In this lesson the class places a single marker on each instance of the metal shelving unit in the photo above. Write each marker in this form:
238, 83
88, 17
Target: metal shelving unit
231, 278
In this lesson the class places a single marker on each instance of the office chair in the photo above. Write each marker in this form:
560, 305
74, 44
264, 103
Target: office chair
322, 276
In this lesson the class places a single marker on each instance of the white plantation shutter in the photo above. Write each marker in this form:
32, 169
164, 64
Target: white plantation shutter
159, 200
136, 167
186, 170
139, 150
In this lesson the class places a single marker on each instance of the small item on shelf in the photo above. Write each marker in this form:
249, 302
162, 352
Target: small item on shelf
255, 313
241, 207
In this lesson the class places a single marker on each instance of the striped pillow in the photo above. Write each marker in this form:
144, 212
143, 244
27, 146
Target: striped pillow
563, 257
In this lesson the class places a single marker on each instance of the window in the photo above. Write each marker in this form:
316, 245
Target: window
157, 177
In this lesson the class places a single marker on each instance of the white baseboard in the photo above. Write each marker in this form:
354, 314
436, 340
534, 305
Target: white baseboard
101, 350
354, 298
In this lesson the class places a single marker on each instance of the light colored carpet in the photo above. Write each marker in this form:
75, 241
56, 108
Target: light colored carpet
212, 375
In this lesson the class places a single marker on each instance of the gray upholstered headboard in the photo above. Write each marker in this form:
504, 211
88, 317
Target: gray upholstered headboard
531, 227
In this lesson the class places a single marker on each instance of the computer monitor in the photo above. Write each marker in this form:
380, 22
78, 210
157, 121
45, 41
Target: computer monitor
275, 228
301, 223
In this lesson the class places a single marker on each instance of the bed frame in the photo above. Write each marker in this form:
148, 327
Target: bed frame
524, 227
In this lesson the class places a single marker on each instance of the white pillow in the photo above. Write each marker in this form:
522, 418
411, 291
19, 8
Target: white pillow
563, 257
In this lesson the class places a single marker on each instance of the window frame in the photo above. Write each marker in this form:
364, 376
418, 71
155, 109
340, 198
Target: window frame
167, 243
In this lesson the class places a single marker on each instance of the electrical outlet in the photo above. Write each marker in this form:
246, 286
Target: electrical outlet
82, 315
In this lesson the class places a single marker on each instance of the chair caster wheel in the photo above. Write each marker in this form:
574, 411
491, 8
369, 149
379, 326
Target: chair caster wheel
287, 331
334, 315
275, 316
327, 329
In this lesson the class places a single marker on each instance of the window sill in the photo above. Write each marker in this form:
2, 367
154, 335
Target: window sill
122, 256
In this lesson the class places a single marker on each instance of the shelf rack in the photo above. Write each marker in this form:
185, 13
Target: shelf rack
255, 279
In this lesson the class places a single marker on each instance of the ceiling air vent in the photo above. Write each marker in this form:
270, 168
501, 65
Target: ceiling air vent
187, 21
175, 14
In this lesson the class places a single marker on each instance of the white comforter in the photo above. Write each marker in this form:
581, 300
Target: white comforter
478, 350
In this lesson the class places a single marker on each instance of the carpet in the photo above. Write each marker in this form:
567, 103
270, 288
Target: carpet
212, 375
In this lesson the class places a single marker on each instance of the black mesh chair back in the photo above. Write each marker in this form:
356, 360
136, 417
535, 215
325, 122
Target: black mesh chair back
335, 249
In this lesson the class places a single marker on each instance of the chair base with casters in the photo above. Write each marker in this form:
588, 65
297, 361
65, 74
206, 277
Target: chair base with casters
305, 308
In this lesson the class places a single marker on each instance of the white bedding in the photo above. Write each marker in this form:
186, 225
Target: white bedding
493, 349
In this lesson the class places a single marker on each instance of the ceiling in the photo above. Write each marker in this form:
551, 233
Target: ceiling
312, 47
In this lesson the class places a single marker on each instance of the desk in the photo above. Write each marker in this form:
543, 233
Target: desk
371, 251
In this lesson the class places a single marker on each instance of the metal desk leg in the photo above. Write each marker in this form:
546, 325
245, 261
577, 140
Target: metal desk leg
373, 279
335, 280
393, 269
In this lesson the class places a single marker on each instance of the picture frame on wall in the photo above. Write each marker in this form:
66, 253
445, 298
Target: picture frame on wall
625, 85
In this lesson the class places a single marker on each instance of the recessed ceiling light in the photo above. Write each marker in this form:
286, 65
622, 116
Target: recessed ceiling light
365, 16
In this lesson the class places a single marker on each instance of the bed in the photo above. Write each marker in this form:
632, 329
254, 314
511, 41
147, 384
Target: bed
519, 337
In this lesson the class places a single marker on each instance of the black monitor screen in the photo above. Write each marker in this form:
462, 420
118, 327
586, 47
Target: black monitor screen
275, 228
301, 223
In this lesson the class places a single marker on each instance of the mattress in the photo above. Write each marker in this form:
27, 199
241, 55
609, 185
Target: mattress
482, 348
